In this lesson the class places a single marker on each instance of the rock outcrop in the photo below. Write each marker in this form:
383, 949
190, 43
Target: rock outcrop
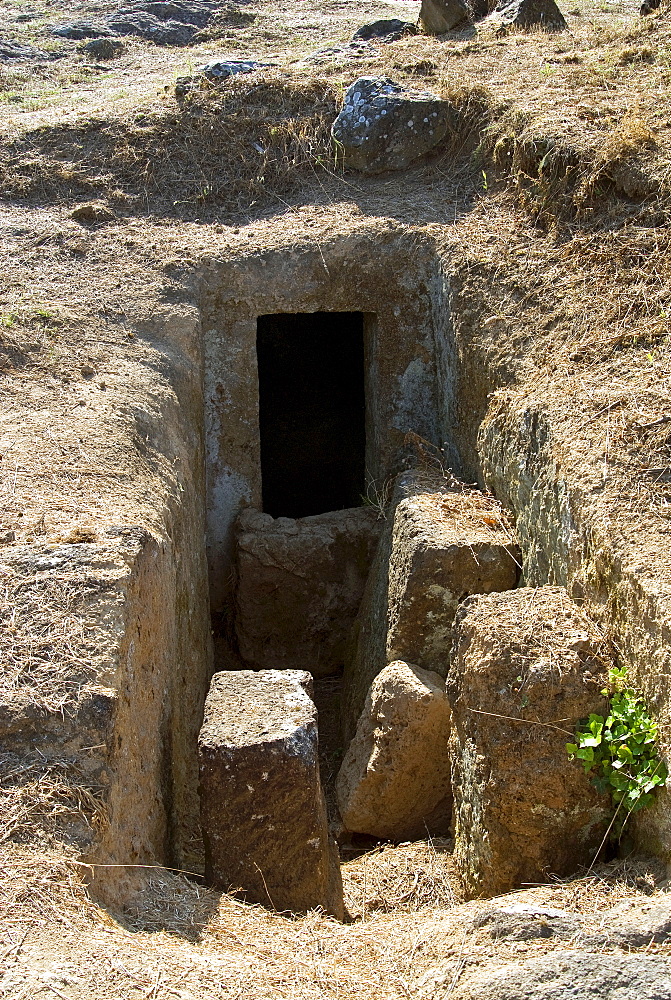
527, 666
300, 584
569, 975
394, 781
164, 22
382, 126
262, 806
439, 545
438, 16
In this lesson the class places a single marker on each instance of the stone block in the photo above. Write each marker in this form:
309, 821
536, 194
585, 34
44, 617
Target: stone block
263, 811
394, 781
300, 584
438, 16
439, 545
527, 666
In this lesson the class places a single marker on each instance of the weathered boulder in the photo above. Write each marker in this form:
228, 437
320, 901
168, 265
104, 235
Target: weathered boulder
387, 30
394, 781
263, 812
300, 583
571, 975
439, 545
13, 51
527, 666
543, 14
102, 48
438, 16
382, 126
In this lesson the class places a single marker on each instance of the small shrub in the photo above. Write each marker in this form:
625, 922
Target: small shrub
620, 751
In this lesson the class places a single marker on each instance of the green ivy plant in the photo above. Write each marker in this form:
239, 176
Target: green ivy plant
620, 751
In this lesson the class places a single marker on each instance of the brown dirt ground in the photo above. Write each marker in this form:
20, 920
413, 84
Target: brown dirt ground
560, 234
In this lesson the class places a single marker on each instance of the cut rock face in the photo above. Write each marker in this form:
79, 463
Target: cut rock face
522, 810
438, 546
384, 127
263, 812
394, 782
438, 16
300, 584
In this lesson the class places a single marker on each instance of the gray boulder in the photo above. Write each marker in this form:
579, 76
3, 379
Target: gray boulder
388, 30
102, 48
382, 126
221, 69
572, 975
543, 14
438, 16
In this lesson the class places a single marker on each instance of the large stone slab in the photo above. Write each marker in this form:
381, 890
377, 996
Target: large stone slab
439, 16
382, 126
440, 543
263, 812
527, 666
300, 584
394, 781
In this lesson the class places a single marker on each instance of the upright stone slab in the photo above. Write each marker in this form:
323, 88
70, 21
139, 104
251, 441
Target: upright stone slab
527, 666
395, 778
439, 16
440, 544
300, 584
263, 812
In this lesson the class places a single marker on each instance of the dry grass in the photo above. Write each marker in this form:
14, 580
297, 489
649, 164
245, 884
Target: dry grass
48, 650
401, 879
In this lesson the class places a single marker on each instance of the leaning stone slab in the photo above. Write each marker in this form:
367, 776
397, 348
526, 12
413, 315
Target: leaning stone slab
382, 126
440, 544
439, 16
394, 781
263, 811
527, 666
300, 584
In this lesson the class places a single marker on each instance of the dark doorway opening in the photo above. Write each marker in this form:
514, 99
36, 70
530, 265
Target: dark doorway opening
311, 412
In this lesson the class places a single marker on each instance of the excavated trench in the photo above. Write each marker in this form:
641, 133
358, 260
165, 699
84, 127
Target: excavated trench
324, 368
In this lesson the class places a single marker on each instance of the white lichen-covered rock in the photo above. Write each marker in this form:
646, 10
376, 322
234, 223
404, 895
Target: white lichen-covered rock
382, 126
395, 779
263, 811
438, 16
